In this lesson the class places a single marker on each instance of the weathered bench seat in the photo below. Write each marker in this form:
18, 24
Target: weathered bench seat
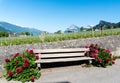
61, 55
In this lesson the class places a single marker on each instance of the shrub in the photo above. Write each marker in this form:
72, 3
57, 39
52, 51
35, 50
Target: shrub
22, 67
103, 57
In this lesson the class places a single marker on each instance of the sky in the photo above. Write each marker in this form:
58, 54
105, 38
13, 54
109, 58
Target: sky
53, 15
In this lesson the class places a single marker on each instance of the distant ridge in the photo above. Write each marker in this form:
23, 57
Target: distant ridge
107, 25
11, 28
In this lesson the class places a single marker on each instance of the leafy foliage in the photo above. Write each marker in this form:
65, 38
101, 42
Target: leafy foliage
22, 67
103, 57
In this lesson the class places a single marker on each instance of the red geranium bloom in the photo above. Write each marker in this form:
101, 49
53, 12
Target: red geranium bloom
32, 79
94, 55
6, 60
26, 61
17, 61
16, 54
86, 46
26, 64
31, 51
37, 56
108, 60
10, 74
108, 50
96, 51
113, 62
18, 70
100, 60
92, 45
86, 53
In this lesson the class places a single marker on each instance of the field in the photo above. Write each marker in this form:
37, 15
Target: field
5, 41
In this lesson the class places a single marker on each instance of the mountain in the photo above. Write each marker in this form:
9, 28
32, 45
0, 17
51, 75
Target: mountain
107, 25
8, 27
73, 28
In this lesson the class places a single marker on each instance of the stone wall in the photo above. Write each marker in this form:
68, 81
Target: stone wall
112, 42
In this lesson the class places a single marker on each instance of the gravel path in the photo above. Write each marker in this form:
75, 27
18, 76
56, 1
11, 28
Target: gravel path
78, 74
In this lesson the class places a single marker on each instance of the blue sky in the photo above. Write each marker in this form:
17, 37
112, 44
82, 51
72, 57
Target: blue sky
53, 15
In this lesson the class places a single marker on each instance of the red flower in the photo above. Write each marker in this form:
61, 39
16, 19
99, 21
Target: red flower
86, 46
92, 45
99, 48
18, 70
31, 52
37, 56
16, 54
86, 53
113, 62
114, 58
92, 49
96, 51
108, 60
108, 50
26, 61
25, 65
10, 74
99, 60
27, 50
6, 60
94, 55
32, 79
17, 61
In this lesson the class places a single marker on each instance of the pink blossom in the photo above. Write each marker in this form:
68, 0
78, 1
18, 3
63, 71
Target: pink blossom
10, 74
92, 45
32, 79
26, 61
94, 55
25, 65
18, 70
108, 60
6, 60
92, 49
86, 46
16, 54
108, 50
99, 60
37, 56
31, 51
87, 52
96, 51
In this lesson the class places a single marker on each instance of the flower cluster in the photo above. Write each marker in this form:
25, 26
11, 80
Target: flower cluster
103, 57
22, 67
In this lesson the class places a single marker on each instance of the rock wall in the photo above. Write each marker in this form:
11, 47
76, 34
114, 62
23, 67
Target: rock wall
111, 42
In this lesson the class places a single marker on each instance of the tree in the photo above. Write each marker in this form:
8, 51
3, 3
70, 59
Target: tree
58, 32
82, 28
3, 34
25, 33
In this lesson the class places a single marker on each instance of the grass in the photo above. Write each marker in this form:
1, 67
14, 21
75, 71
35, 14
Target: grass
56, 37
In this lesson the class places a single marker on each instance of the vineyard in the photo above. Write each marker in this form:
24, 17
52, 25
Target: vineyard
5, 41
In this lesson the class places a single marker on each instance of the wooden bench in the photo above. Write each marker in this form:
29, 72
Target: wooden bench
61, 55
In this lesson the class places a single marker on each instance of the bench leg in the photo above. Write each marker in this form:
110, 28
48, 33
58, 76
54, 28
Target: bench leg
39, 66
90, 61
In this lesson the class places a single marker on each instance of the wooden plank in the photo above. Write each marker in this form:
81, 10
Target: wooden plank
63, 60
59, 50
61, 55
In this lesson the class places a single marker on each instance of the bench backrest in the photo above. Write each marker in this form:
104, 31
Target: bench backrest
56, 53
